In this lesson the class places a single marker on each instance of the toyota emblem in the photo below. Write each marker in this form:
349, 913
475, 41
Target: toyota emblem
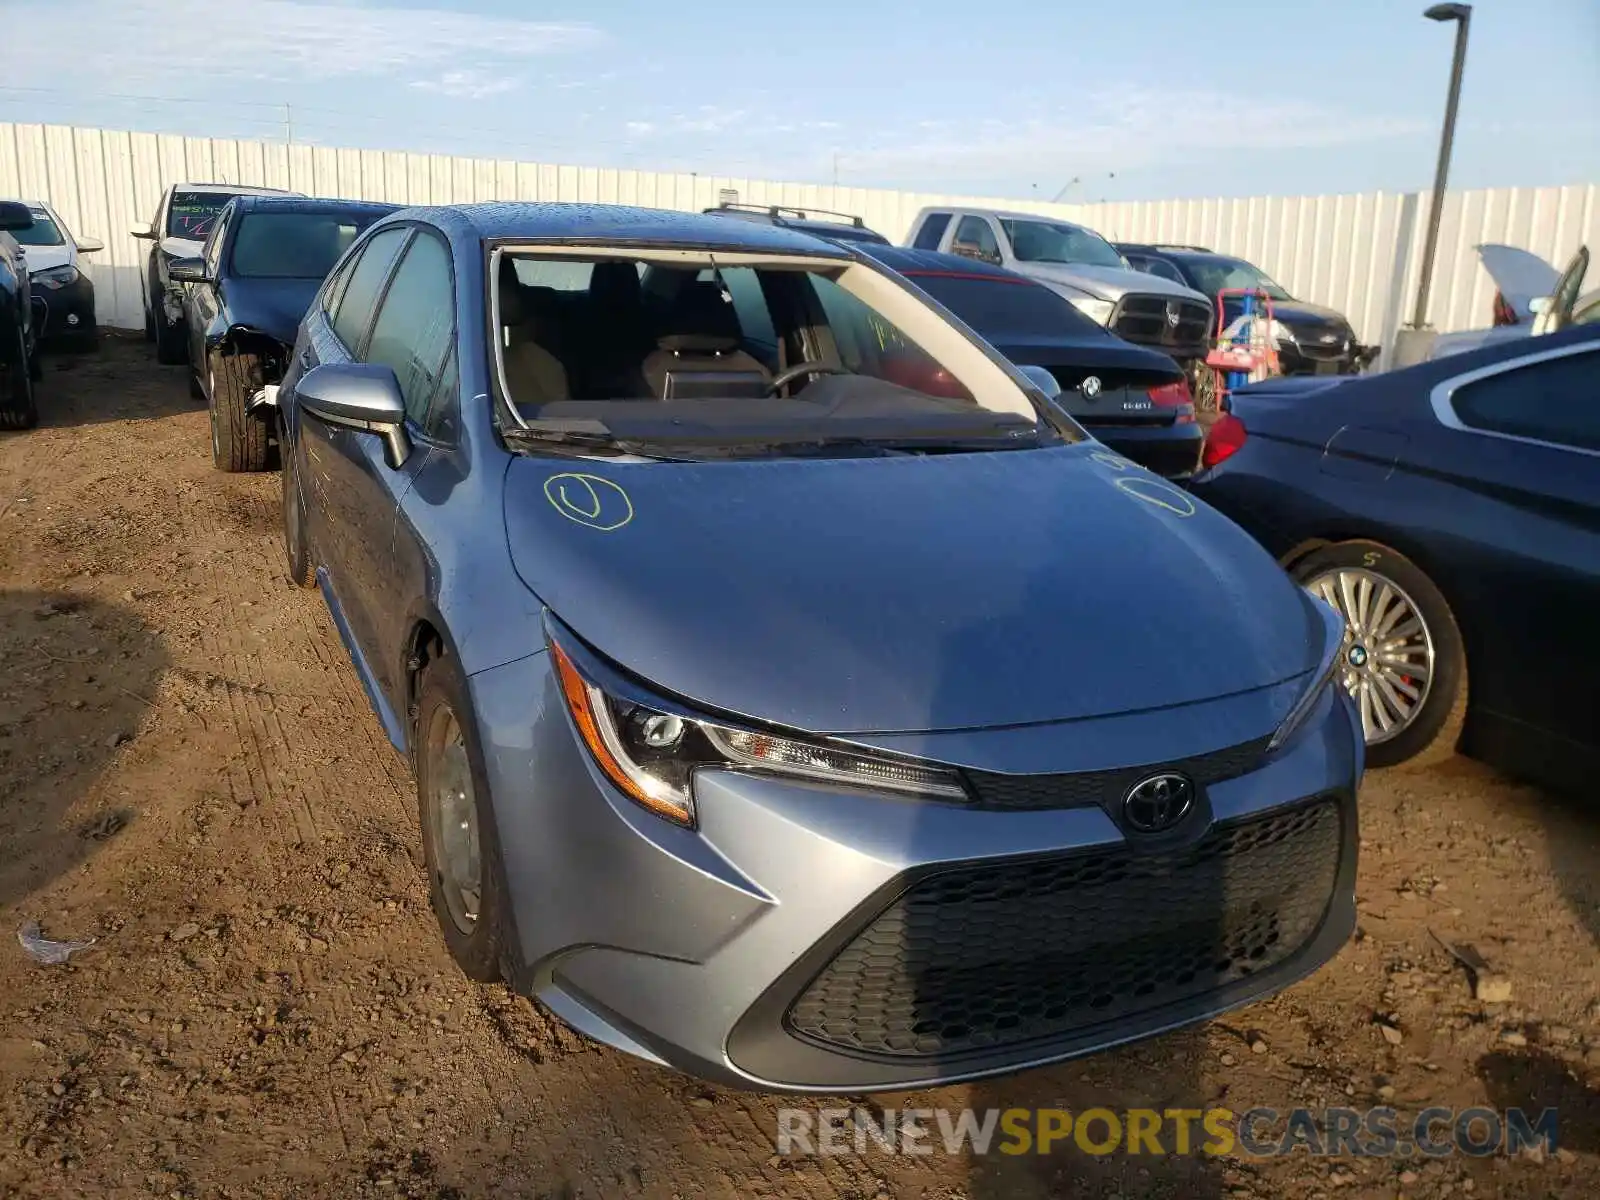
1090, 387
1172, 314
1157, 804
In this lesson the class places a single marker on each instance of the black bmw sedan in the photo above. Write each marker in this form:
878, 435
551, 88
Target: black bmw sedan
1451, 512
1134, 399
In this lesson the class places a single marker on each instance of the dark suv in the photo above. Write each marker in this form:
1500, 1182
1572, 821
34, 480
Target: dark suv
19, 361
839, 227
1311, 339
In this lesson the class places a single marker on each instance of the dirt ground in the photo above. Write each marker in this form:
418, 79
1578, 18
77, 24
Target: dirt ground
190, 775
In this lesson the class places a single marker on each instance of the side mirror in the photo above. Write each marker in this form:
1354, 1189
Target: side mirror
14, 217
1539, 304
187, 270
1043, 380
140, 229
89, 245
362, 396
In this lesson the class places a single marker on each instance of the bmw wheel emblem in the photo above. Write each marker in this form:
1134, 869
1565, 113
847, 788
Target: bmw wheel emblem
1158, 804
1357, 656
1090, 387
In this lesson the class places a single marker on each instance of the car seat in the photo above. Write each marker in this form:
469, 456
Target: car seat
533, 374
699, 355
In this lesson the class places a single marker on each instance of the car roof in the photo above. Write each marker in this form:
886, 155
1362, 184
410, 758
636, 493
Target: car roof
311, 204
232, 189
910, 261
517, 220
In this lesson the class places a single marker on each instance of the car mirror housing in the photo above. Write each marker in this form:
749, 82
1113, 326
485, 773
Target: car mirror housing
187, 270
141, 230
14, 216
1041, 378
89, 245
364, 396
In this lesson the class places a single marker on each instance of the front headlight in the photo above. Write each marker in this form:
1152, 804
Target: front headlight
651, 754
1098, 311
1283, 334
56, 278
1327, 670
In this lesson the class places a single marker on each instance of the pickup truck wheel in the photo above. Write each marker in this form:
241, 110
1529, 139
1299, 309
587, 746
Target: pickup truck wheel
238, 440
17, 409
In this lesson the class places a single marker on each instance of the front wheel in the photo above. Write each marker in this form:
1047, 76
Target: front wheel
17, 408
238, 440
466, 881
1404, 663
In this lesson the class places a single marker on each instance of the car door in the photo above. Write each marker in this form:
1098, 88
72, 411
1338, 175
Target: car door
202, 301
413, 335
1524, 441
327, 457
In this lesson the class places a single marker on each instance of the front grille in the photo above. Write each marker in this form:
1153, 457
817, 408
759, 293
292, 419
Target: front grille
989, 956
1143, 319
1107, 787
1330, 352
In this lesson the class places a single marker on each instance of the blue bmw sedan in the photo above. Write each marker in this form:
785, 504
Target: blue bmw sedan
775, 720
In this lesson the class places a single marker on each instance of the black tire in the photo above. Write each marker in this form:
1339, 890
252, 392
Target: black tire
197, 390
1434, 731
296, 541
238, 440
36, 366
483, 950
17, 407
171, 339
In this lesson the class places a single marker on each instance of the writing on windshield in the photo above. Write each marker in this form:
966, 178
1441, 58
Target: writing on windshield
192, 215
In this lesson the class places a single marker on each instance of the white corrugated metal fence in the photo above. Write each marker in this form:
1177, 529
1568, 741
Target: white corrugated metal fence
1356, 253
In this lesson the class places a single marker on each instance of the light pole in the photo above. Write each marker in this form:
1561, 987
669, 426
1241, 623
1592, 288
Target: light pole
1462, 15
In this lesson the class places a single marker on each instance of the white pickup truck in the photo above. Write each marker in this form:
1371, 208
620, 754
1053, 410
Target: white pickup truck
1080, 265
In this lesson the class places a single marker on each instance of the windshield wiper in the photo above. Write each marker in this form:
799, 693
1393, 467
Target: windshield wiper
1021, 440
578, 440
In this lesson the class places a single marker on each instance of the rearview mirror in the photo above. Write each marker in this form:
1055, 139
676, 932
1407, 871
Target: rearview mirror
14, 216
362, 396
1041, 378
187, 270
89, 245
140, 229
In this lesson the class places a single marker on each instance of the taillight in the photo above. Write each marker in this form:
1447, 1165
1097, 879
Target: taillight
1171, 395
1223, 441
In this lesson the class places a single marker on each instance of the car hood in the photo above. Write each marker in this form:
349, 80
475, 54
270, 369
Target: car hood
1093, 352
1475, 339
273, 306
1108, 283
42, 258
1520, 276
905, 593
1298, 314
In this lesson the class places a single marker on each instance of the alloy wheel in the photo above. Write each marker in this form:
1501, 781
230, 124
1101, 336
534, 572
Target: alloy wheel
1388, 653
455, 820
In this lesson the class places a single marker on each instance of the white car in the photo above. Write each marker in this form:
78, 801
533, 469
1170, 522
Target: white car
1531, 297
63, 294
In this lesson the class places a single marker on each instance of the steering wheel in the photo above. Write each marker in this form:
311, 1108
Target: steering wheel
809, 367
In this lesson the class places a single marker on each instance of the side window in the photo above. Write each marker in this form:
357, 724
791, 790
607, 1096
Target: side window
354, 308
975, 239
932, 231
414, 332
1556, 400
333, 289
444, 414
213, 250
1161, 267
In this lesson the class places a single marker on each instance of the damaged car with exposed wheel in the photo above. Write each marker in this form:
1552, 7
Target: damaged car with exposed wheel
244, 296
776, 720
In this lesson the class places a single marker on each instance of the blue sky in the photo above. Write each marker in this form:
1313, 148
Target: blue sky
1011, 97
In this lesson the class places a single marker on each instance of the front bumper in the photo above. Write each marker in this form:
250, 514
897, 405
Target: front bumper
64, 312
760, 950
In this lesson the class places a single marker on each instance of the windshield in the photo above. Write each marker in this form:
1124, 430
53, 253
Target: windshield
1006, 309
192, 214
43, 231
1047, 242
293, 245
757, 352
1215, 274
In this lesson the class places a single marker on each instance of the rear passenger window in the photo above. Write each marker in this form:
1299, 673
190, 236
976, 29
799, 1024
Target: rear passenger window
1556, 400
414, 332
932, 231
353, 310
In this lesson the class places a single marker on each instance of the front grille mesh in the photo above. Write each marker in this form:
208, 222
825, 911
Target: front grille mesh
1107, 788
1143, 319
988, 956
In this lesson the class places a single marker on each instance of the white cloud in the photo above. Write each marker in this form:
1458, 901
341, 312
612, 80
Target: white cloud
469, 85
293, 39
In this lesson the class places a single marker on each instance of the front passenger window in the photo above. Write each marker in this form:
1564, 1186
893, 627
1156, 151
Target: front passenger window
353, 311
415, 329
975, 239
